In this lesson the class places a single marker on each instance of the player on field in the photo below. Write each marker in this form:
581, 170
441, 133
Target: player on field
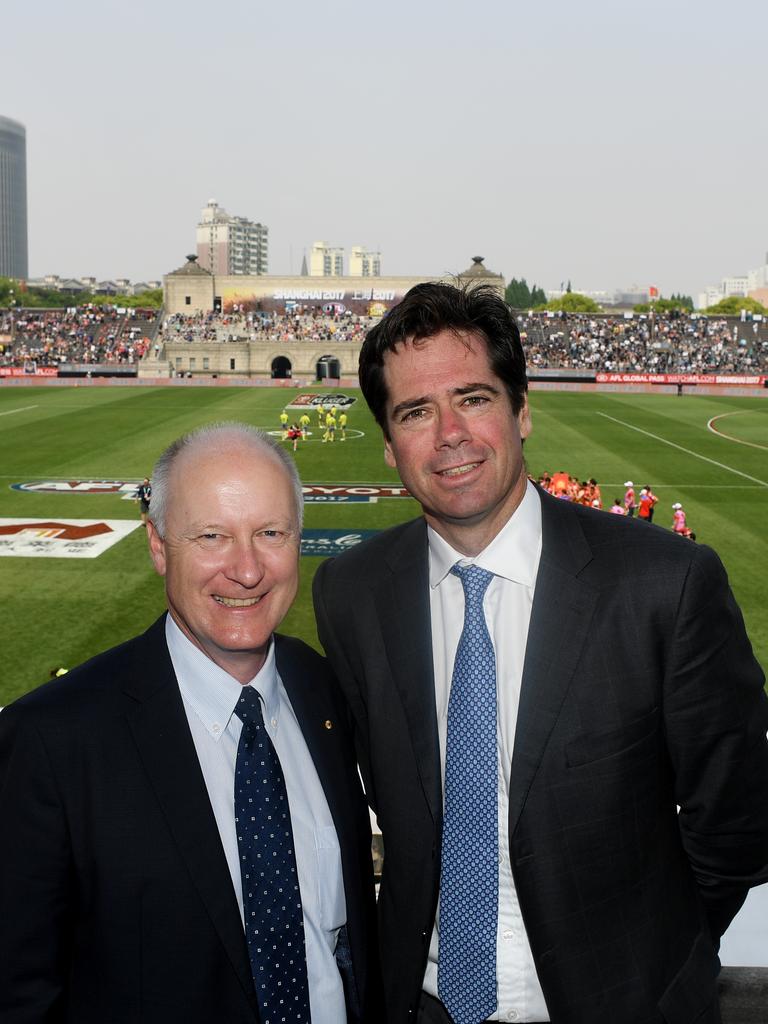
304, 422
330, 428
294, 434
653, 502
629, 498
343, 426
679, 523
284, 424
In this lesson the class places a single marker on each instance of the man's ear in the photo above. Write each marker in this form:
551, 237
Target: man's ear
389, 456
156, 548
524, 420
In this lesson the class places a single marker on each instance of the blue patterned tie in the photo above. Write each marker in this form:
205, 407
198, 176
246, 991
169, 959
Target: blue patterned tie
469, 882
274, 923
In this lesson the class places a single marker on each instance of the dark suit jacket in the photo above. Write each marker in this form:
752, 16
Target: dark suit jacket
116, 903
639, 692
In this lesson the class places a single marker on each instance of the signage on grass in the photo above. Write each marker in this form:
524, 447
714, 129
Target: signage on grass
331, 542
125, 487
62, 538
307, 400
368, 493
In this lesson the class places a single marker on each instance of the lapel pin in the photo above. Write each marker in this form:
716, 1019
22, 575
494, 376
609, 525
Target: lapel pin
328, 723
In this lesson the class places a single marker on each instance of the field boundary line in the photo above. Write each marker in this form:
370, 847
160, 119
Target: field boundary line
729, 437
23, 408
673, 444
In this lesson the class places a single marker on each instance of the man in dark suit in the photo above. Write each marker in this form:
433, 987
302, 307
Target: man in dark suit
536, 688
184, 836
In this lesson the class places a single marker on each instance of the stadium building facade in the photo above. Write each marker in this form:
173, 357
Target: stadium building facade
13, 199
193, 290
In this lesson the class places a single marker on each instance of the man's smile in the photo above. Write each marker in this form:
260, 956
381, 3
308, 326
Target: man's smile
237, 602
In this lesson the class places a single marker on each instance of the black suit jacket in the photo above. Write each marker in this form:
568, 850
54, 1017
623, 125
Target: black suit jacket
639, 692
116, 903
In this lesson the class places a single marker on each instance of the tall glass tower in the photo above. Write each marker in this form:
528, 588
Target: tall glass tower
13, 199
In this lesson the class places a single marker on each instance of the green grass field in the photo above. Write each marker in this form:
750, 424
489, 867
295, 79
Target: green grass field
60, 611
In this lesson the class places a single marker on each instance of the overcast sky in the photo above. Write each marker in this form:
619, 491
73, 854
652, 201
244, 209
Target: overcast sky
609, 143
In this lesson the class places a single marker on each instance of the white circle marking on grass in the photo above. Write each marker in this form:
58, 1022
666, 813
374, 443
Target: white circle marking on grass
673, 444
729, 437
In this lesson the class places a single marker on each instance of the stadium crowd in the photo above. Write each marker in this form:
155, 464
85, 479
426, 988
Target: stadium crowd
312, 325
666, 344
85, 334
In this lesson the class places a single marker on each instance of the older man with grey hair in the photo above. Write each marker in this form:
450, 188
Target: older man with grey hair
187, 838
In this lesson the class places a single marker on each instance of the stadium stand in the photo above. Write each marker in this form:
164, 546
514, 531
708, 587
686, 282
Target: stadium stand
597, 343
288, 327
604, 344
94, 335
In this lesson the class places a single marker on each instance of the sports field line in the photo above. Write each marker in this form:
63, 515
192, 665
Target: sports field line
729, 437
23, 408
673, 444
360, 483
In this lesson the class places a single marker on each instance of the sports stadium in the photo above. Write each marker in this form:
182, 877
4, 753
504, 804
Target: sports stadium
89, 398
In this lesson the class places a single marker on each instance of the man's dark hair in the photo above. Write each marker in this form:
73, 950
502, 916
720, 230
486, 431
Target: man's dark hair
426, 310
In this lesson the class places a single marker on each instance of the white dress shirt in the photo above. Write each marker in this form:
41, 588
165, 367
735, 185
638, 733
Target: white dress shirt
513, 557
210, 695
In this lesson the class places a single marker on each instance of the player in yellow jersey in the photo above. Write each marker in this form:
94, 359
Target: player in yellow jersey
343, 426
284, 424
304, 422
320, 417
330, 428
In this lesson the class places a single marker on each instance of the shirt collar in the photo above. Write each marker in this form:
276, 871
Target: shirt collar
211, 692
513, 553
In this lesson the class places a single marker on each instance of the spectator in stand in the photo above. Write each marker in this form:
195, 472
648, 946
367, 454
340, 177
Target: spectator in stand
86, 335
676, 344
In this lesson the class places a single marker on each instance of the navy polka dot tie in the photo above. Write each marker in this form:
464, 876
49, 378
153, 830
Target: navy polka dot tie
274, 923
469, 897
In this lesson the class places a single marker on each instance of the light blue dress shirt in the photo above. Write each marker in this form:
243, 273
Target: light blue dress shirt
209, 695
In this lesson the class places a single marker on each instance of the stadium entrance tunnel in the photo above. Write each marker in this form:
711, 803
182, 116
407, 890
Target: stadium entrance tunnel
281, 368
328, 368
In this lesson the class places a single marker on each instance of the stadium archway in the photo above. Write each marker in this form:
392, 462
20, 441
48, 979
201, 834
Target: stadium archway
281, 368
328, 368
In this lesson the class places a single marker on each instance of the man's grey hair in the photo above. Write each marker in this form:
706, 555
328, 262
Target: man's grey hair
224, 436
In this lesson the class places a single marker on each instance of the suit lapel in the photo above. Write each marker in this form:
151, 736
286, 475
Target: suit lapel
166, 748
561, 614
402, 602
312, 712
